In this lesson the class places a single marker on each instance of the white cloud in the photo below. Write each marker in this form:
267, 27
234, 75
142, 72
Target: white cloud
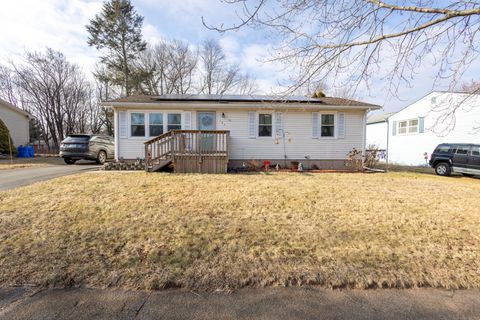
29, 25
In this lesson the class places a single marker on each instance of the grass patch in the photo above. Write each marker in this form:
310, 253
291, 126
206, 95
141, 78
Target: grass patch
151, 231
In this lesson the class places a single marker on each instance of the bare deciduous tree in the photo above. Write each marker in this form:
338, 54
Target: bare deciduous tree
348, 42
56, 93
217, 76
173, 67
471, 87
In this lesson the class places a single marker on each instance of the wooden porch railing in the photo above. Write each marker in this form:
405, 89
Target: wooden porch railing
189, 151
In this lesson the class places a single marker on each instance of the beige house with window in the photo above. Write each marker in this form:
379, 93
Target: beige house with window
17, 122
318, 132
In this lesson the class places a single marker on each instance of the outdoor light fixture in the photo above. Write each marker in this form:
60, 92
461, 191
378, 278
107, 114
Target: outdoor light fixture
223, 115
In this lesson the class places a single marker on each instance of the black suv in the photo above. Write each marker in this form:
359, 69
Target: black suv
456, 157
87, 146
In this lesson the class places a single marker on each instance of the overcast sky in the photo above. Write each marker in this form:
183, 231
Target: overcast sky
60, 24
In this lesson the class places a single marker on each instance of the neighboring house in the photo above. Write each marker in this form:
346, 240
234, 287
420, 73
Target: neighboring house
17, 122
318, 132
412, 134
377, 129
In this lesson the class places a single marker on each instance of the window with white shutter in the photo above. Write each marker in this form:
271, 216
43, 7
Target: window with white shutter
122, 124
187, 121
252, 133
278, 124
341, 125
315, 127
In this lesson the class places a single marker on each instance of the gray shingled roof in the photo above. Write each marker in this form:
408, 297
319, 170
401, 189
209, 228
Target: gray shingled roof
331, 101
376, 118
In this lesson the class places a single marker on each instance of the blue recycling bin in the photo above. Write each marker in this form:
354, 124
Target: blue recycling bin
21, 151
31, 152
25, 152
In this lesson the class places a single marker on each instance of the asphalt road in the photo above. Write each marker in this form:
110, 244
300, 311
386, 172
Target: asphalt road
14, 178
268, 303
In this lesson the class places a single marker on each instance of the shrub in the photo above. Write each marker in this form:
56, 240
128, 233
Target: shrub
6, 141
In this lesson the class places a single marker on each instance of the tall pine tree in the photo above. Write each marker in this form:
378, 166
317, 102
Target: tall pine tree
118, 30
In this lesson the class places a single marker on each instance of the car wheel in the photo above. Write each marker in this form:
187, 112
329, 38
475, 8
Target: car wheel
443, 169
102, 157
69, 161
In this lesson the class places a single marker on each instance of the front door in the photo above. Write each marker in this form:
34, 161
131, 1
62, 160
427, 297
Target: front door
206, 121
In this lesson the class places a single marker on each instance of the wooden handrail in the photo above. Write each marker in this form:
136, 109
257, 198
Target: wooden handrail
160, 137
185, 142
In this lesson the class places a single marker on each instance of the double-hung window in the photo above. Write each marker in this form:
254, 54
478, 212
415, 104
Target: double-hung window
327, 125
155, 124
408, 126
174, 121
137, 124
413, 126
265, 125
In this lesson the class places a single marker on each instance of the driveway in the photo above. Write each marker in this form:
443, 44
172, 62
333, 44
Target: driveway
14, 178
268, 303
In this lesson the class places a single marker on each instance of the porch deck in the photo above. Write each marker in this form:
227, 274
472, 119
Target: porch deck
190, 151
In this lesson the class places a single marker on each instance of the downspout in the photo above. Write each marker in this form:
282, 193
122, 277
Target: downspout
388, 140
364, 138
115, 132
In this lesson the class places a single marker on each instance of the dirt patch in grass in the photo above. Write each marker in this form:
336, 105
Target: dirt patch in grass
152, 231
6, 166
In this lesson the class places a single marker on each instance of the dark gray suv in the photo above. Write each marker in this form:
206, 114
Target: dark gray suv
87, 146
456, 157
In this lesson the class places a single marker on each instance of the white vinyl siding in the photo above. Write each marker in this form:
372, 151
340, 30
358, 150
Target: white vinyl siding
409, 149
298, 138
297, 126
17, 124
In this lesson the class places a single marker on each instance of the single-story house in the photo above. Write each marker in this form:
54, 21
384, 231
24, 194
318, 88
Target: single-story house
411, 134
17, 122
316, 132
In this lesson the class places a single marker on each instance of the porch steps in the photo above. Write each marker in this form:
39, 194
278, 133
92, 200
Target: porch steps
159, 165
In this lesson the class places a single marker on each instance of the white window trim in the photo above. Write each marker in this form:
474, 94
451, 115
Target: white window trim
165, 120
147, 122
257, 124
129, 122
408, 133
335, 124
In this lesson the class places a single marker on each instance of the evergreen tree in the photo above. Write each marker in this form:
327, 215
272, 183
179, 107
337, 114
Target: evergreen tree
118, 30
6, 143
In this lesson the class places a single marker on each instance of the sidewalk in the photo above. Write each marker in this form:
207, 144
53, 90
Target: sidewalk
268, 303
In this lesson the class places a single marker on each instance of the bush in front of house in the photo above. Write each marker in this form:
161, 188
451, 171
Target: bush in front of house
6, 141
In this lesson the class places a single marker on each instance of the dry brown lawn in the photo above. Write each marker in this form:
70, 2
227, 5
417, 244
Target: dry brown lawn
150, 231
8, 166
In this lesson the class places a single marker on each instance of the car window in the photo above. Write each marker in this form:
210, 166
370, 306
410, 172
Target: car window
76, 139
443, 149
476, 151
462, 150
